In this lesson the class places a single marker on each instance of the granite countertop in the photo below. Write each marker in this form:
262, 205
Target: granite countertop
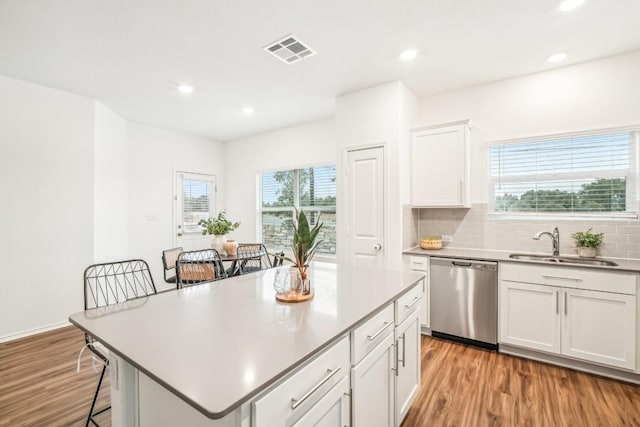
217, 345
624, 264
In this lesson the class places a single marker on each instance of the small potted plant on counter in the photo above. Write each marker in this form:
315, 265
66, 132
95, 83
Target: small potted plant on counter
219, 227
304, 247
587, 243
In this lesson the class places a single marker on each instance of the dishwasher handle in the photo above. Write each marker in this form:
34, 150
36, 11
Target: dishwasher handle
460, 264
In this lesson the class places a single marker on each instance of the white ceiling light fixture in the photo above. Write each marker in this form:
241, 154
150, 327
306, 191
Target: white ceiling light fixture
557, 57
185, 89
248, 111
567, 5
289, 49
408, 55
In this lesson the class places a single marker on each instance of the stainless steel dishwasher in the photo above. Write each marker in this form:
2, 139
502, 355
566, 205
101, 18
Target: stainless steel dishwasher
464, 301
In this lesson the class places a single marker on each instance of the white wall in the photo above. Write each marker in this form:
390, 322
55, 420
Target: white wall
110, 186
381, 115
46, 187
598, 94
154, 156
304, 145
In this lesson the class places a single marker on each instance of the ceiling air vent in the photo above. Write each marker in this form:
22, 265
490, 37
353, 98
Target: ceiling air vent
289, 49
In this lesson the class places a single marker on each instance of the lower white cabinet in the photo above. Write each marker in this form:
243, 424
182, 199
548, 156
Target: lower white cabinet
590, 325
373, 383
421, 264
407, 371
599, 327
530, 316
331, 410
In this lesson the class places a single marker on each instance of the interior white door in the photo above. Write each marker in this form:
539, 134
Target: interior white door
365, 207
195, 196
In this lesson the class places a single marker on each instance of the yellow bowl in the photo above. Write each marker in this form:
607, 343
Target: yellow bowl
431, 243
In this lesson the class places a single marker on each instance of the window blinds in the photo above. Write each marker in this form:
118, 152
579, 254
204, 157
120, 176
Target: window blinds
575, 174
196, 203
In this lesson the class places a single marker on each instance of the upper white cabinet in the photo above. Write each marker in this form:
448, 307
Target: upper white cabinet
440, 166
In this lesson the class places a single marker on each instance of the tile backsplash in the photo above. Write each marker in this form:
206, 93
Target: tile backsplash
472, 228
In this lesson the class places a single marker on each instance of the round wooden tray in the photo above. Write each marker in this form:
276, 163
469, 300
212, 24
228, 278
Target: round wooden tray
294, 297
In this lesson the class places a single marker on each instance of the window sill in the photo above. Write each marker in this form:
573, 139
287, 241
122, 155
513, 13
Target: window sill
498, 216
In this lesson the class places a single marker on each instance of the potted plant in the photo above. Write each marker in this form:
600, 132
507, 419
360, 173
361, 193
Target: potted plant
304, 246
587, 242
219, 227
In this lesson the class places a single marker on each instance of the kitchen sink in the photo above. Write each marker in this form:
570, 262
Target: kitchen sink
563, 260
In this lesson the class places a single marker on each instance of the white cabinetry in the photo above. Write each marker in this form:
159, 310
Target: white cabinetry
385, 378
408, 364
421, 264
440, 166
587, 315
315, 395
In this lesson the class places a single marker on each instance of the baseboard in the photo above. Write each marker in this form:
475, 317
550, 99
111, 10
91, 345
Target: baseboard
577, 365
33, 331
425, 330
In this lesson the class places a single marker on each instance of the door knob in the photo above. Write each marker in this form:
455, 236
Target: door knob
377, 247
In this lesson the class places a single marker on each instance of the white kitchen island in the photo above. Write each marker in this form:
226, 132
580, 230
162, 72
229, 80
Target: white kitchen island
204, 355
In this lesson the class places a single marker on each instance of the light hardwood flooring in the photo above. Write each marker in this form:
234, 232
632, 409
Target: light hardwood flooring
462, 386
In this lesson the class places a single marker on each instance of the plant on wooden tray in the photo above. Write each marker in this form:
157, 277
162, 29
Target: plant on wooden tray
587, 242
304, 244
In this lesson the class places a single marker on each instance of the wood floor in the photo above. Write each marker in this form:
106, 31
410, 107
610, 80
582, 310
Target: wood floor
39, 385
462, 386
466, 386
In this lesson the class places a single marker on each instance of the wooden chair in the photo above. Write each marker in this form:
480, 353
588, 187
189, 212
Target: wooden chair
169, 258
201, 266
252, 257
111, 283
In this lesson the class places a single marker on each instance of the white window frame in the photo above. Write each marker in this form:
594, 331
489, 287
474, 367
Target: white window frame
213, 192
632, 189
296, 201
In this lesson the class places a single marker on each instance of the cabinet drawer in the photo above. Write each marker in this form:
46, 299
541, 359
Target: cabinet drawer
567, 277
409, 302
313, 380
368, 335
419, 263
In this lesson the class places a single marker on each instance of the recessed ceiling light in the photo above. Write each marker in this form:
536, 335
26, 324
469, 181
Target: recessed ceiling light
185, 89
567, 5
247, 110
408, 55
557, 57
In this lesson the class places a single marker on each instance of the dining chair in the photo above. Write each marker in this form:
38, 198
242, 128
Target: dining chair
200, 266
252, 257
111, 283
169, 258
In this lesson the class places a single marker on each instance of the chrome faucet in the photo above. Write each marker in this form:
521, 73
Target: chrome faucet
555, 237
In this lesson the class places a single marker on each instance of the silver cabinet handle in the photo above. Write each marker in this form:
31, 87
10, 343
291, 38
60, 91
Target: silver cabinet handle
557, 302
396, 358
572, 279
377, 334
461, 192
565, 304
415, 301
297, 402
404, 349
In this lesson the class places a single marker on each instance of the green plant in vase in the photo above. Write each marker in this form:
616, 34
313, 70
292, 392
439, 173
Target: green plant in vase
304, 244
219, 227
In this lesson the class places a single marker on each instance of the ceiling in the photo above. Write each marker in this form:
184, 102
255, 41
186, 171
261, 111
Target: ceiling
131, 54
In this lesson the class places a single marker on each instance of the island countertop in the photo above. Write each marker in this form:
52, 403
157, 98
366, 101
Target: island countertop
219, 344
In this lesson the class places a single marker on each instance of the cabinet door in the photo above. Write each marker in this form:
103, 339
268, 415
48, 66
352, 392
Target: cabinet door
330, 411
530, 316
439, 167
408, 365
600, 327
372, 383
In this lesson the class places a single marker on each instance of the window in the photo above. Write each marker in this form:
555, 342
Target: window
195, 197
311, 189
584, 175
